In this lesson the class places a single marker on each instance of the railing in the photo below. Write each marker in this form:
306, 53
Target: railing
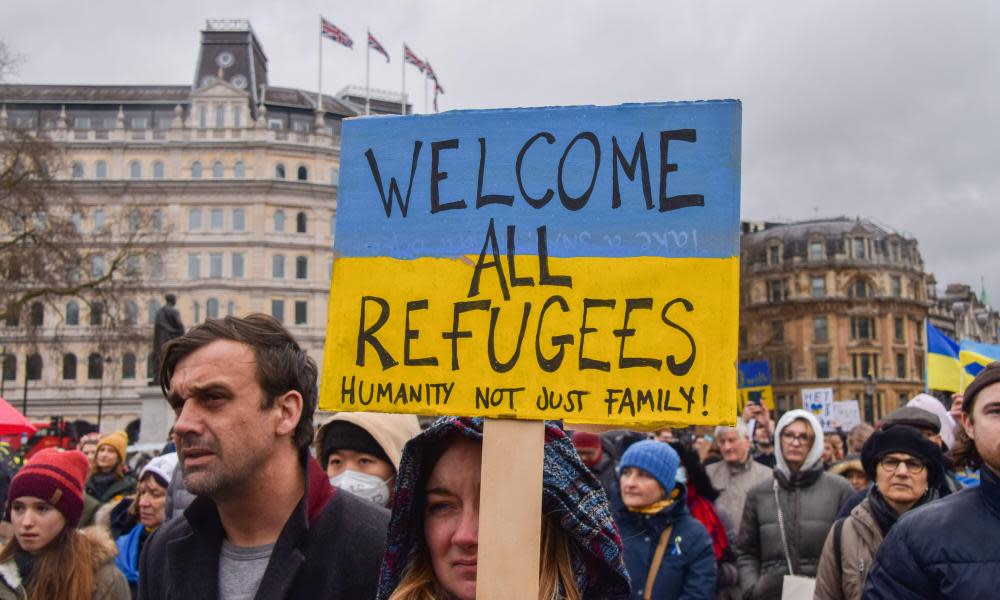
323, 137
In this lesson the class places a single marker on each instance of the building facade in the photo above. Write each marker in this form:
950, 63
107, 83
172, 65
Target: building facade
241, 178
837, 303
961, 314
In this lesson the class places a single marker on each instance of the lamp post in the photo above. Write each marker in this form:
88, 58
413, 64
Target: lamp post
3, 376
105, 360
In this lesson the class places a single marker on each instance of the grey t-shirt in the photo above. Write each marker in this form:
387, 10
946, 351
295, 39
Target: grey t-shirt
241, 570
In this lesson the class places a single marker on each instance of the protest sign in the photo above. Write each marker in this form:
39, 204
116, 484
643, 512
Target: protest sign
754, 385
575, 263
819, 401
847, 413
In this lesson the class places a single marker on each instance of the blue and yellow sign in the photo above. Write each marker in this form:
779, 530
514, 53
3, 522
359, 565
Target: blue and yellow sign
754, 384
576, 263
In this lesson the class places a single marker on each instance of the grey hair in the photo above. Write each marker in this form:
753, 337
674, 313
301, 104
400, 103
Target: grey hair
740, 428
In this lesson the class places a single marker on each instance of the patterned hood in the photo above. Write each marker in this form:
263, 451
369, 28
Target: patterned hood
571, 497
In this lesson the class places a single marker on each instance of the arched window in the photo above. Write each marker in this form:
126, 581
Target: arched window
860, 289
302, 173
279, 171
95, 366
135, 169
69, 367
218, 170
134, 220
77, 170
278, 266
101, 170
151, 309
131, 313
157, 220
279, 221
96, 313
100, 219
301, 267
196, 170
240, 170
157, 170
34, 367
37, 314
300, 222
212, 309
334, 176
72, 313
9, 367
128, 366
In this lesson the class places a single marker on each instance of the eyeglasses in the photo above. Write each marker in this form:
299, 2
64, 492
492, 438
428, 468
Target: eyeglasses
801, 438
912, 465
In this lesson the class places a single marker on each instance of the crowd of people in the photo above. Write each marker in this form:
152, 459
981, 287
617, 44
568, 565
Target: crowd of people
250, 500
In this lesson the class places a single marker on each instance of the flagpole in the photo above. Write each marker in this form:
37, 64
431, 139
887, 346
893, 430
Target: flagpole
319, 94
368, 89
404, 80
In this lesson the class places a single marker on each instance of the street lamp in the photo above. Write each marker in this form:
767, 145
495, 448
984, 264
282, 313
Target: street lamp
105, 360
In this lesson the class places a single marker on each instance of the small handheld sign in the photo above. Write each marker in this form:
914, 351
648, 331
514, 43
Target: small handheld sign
574, 263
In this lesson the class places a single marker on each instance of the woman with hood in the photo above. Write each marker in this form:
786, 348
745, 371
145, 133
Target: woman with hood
433, 539
906, 469
361, 450
786, 520
48, 557
668, 552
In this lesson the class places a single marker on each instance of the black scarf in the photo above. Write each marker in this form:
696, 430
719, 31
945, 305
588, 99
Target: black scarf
100, 483
25, 565
885, 515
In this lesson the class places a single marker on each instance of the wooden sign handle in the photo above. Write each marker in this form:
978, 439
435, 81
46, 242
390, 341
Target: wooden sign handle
510, 510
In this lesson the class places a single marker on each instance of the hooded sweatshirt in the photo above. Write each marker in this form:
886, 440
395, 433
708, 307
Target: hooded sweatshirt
571, 496
390, 431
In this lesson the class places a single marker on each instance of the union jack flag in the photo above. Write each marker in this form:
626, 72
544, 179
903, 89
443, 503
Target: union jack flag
433, 76
410, 57
331, 31
377, 47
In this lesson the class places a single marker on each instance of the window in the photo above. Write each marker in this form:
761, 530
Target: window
230, 308
151, 367
334, 176
237, 117
154, 263
131, 313
239, 220
301, 312
777, 331
194, 266
301, 267
279, 221
76, 218
858, 245
9, 367
333, 225
157, 170
134, 220
100, 219
212, 309
918, 364
135, 169
302, 174
96, 313
278, 310
900, 365
278, 266
777, 290
152, 308
898, 329
864, 365
194, 219
822, 366
197, 312
72, 313
774, 255
77, 170
817, 251
34, 367
218, 170
238, 265
138, 123
196, 170
239, 169
215, 265
300, 222
819, 286
128, 366
274, 123
97, 267
157, 220
37, 314
95, 366
782, 367
215, 219
919, 337
81, 123
821, 332
896, 285
894, 251
101, 170
862, 328
132, 266
203, 117
279, 171
69, 367
859, 289
220, 116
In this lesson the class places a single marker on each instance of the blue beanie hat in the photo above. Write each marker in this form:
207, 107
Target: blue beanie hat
656, 458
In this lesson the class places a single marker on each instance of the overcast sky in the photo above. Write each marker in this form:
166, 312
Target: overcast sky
884, 109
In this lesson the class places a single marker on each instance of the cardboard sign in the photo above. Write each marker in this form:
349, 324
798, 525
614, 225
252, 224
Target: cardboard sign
848, 413
576, 263
819, 401
754, 384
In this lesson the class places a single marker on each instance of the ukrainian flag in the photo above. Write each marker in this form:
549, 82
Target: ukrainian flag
944, 371
974, 357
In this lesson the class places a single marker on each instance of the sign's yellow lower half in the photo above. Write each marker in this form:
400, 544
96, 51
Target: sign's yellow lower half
633, 342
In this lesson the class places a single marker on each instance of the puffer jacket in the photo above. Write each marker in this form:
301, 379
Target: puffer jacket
860, 537
810, 499
571, 497
947, 549
109, 583
687, 570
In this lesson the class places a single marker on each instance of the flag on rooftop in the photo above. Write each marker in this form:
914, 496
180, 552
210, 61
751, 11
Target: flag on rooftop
376, 46
944, 372
331, 31
413, 59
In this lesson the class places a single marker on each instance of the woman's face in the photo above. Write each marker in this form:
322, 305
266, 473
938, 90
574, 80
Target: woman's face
36, 523
451, 518
152, 502
857, 479
107, 459
902, 479
90, 451
639, 488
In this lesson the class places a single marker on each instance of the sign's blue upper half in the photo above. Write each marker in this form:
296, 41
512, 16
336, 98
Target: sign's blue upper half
677, 192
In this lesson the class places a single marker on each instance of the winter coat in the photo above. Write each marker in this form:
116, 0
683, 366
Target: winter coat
329, 548
860, 537
810, 499
109, 583
129, 548
572, 499
734, 482
687, 570
119, 489
178, 498
947, 549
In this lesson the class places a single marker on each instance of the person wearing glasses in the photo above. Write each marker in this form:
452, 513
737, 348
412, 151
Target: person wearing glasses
907, 469
786, 519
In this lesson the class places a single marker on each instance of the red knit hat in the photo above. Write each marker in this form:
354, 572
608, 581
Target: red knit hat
56, 477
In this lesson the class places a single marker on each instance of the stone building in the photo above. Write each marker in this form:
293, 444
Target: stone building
961, 314
242, 177
838, 303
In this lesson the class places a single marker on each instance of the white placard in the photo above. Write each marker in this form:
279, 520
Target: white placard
848, 413
819, 401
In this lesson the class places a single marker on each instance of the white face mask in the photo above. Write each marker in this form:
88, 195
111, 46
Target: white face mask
366, 486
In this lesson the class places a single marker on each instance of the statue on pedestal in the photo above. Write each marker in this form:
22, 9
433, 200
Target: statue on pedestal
167, 326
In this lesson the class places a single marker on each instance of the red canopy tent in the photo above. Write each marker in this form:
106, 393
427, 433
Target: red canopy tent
13, 422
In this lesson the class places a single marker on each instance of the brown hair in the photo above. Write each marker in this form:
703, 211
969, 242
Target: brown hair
964, 453
119, 465
282, 365
64, 569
